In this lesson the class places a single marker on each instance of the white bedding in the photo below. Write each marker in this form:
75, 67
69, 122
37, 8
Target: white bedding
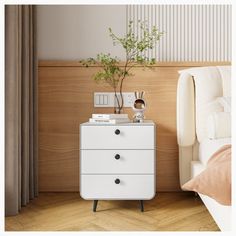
208, 146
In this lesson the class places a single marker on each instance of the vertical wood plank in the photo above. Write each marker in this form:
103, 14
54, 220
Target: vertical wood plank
192, 32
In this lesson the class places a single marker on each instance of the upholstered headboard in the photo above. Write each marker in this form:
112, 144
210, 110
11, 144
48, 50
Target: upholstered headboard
197, 93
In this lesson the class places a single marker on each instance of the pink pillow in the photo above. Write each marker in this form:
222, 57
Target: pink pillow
215, 180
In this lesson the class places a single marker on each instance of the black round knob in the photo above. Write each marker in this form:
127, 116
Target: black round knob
117, 181
117, 156
117, 131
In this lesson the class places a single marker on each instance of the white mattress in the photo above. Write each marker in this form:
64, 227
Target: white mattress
209, 146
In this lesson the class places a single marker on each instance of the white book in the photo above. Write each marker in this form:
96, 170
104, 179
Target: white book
108, 121
110, 116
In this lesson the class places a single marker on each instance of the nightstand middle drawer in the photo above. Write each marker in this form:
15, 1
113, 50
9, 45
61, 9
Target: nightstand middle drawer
117, 161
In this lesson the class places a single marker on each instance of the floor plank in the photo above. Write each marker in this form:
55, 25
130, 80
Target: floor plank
173, 211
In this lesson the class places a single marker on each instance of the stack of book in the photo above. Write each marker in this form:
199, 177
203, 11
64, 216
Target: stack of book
109, 118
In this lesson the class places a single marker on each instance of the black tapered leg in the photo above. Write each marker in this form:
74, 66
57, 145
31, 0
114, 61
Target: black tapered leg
141, 206
95, 203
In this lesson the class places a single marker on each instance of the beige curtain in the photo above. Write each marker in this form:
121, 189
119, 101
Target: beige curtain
21, 125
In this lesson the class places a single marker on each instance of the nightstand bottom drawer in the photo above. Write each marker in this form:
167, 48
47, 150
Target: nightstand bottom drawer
102, 187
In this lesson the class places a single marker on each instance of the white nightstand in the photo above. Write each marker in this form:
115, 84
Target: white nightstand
118, 161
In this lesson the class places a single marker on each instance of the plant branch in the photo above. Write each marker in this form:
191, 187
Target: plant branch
122, 80
117, 100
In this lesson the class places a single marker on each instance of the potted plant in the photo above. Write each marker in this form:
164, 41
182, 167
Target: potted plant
112, 71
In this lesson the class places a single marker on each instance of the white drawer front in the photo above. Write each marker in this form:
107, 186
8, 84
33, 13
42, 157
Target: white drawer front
130, 187
117, 161
130, 137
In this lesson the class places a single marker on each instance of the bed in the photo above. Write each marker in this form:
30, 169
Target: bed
198, 93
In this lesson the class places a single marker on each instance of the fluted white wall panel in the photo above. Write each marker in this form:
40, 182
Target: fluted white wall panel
192, 32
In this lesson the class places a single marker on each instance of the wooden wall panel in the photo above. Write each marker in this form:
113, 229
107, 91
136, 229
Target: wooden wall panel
66, 100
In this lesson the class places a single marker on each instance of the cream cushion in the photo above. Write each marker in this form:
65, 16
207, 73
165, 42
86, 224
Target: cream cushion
225, 102
219, 125
225, 72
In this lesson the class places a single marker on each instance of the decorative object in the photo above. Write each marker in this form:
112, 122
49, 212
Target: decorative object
139, 107
112, 71
118, 162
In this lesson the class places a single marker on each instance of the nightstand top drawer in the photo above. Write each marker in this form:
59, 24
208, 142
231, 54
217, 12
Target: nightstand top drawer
117, 137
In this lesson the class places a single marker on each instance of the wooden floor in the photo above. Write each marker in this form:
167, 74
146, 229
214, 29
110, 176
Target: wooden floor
68, 212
